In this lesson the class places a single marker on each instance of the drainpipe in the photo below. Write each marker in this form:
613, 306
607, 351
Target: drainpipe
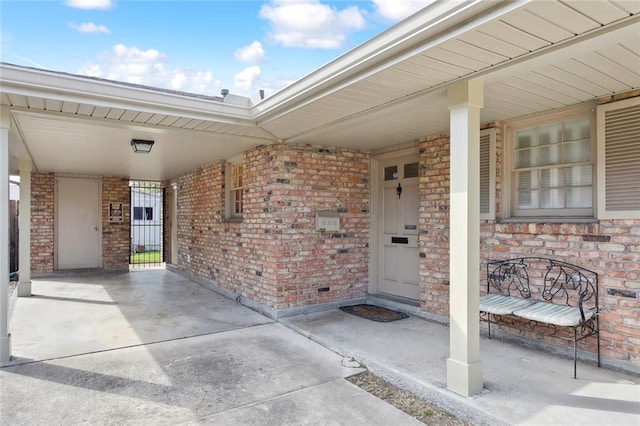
5, 337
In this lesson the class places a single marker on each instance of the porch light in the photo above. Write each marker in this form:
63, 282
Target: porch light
141, 146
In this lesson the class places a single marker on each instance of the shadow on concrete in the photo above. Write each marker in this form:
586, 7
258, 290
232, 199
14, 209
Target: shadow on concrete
71, 299
160, 349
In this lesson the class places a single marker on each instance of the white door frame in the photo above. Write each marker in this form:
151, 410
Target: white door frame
375, 212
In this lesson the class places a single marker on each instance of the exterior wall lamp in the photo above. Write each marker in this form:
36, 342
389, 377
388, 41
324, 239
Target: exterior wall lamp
141, 146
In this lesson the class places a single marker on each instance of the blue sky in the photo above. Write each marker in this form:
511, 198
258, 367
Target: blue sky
192, 46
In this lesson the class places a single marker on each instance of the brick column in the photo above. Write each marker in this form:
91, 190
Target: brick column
42, 222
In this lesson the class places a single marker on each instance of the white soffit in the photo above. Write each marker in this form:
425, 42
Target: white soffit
540, 56
89, 147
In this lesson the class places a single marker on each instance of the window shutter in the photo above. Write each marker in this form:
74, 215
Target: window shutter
487, 174
619, 160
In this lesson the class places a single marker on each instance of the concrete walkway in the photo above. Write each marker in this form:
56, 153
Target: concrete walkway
153, 348
150, 347
522, 386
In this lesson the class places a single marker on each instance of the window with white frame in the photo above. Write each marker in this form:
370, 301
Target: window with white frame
235, 188
551, 167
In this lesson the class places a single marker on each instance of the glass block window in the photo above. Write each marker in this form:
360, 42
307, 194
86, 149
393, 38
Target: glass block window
553, 170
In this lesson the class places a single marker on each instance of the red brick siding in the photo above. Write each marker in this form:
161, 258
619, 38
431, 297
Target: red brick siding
275, 256
609, 247
42, 222
115, 235
434, 224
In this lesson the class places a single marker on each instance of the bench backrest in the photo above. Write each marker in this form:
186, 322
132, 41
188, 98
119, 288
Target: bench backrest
571, 285
561, 282
508, 277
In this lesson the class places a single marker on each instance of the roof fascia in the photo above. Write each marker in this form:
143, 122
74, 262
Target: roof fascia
427, 28
73, 88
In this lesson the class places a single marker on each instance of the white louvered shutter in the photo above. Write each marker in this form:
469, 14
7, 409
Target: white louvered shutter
487, 174
619, 160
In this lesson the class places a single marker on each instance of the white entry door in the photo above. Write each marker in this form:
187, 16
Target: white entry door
398, 233
78, 223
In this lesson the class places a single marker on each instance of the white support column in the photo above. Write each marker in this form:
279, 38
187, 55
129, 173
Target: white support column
24, 286
5, 337
464, 367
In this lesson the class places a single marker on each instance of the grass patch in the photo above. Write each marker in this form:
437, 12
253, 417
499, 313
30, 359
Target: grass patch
152, 256
405, 401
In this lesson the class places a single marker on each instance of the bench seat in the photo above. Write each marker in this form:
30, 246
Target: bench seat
498, 304
560, 315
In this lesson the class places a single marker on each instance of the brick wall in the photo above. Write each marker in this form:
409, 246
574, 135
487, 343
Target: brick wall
433, 242
275, 256
115, 235
42, 222
316, 266
609, 247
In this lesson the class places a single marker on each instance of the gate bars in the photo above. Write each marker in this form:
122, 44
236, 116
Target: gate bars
147, 227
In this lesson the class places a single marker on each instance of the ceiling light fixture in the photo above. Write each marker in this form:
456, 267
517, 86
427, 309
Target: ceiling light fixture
141, 146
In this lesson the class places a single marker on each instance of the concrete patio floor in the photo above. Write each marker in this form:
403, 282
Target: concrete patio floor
151, 347
521, 385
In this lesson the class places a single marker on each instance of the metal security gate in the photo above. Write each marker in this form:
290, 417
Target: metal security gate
147, 227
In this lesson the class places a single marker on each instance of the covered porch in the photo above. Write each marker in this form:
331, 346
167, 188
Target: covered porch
427, 84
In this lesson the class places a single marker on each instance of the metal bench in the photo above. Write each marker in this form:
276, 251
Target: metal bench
567, 296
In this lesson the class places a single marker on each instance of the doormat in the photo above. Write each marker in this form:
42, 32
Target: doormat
374, 313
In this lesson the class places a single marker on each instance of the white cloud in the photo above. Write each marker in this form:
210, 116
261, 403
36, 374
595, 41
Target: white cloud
310, 24
90, 4
247, 78
251, 54
397, 10
90, 28
149, 68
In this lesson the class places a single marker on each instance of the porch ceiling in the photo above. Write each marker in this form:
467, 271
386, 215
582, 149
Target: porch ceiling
532, 56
